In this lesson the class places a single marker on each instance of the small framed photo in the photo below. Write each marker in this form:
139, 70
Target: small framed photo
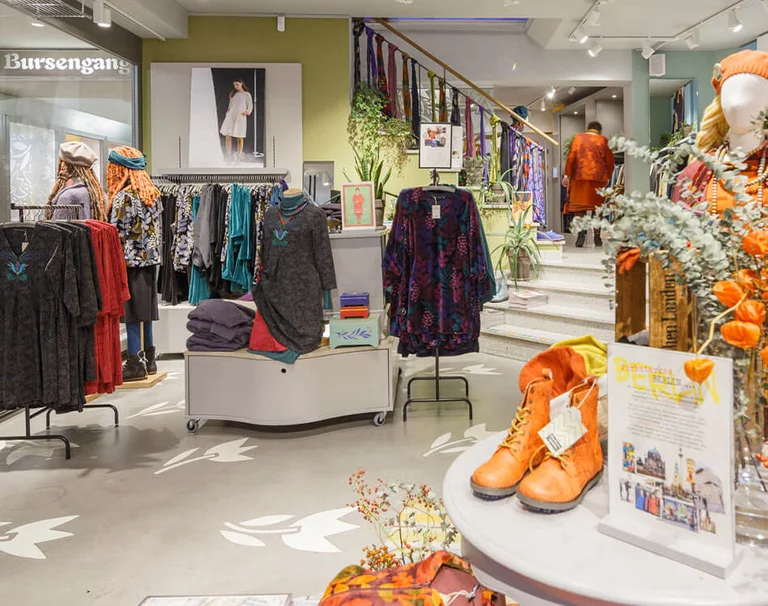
435, 145
357, 206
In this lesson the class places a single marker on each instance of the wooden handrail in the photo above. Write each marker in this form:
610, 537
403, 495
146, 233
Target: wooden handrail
472, 85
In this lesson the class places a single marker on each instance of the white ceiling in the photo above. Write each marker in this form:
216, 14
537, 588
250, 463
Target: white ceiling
662, 87
16, 32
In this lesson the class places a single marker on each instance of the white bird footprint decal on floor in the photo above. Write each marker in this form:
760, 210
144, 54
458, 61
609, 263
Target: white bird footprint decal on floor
229, 452
307, 534
23, 541
473, 435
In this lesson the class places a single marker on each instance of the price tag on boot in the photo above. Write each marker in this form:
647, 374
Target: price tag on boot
563, 432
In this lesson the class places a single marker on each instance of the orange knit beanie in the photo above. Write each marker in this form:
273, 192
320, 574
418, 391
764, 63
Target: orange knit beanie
743, 62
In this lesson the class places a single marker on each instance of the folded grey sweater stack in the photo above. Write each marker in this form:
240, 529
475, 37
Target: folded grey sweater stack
218, 325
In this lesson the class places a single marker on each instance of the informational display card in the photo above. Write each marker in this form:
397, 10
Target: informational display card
457, 148
435, 144
670, 452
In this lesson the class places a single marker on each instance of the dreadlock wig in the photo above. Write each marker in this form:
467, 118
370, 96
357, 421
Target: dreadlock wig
127, 168
69, 171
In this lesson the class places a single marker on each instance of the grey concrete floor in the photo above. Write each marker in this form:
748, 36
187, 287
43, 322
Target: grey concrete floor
150, 509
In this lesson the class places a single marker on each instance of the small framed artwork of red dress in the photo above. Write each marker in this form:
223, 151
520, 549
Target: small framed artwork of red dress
357, 206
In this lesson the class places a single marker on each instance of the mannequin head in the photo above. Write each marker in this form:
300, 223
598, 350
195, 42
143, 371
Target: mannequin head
741, 84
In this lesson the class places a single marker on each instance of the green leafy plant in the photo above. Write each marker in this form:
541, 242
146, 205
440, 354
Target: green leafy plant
379, 143
520, 248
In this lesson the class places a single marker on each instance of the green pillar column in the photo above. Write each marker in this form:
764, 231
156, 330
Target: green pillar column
637, 120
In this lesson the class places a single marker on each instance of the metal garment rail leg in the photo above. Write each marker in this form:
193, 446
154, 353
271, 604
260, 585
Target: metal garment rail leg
87, 406
29, 437
438, 398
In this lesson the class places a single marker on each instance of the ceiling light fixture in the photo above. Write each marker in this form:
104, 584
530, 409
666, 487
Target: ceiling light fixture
648, 49
551, 93
580, 35
734, 23
614, 96
37, 23
575, 113
281, 23
102, 16
516, 2
404, 1
543, 105
595, 49
593, 18
571, 90
693, 40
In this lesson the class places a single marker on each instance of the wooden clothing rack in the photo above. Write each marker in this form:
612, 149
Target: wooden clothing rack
28, 415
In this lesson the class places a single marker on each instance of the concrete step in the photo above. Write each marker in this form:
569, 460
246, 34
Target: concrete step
566, 320
587, 295
517, 343
571, 270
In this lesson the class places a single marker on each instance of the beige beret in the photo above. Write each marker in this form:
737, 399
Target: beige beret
78, 153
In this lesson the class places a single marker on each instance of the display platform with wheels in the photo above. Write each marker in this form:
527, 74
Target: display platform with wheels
562, 559
325, 384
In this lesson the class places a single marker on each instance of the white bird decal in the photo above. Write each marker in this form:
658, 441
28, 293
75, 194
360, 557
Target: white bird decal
27, 537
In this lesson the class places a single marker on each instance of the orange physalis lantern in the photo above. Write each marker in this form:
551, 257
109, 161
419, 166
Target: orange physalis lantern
698, 370
728, 292
756, 242
751, 311
740, 334
747, 279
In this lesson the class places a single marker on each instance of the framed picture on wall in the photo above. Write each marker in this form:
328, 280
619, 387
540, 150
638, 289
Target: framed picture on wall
357, 206
435, 144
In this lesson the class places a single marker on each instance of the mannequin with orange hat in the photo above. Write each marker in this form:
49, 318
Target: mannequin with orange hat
731, 123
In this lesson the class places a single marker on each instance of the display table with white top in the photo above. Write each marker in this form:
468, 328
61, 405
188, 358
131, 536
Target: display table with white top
539, 559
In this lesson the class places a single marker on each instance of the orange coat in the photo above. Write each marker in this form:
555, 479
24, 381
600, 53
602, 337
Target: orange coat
589, 167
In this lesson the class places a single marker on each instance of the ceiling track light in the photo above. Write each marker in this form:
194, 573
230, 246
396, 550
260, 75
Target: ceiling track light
693, 40
593, 18
648, 50
571, 90
543, 105
404, 1
102, 15
551, 94
734, 23
595, 49
581, 36
37, 23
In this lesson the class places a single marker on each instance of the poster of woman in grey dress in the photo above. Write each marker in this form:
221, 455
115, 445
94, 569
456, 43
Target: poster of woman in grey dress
227, 117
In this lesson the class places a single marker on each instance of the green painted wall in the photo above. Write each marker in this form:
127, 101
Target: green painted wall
661, 118
320, 45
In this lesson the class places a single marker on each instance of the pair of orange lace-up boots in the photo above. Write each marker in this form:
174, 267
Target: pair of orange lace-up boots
522, 464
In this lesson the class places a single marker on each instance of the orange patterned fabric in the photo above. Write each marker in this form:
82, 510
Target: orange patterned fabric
590, 167
410, 585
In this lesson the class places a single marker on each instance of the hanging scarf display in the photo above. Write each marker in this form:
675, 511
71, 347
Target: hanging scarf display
415, 101
455, 112
381, 69
394, 106
358, 30
505, 160
483, 145
537, 185
407, 110
443, 101
370, 54
470, 150
494, 171
432, 75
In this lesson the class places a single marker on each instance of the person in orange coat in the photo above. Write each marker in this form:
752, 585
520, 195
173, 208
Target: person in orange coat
589, 168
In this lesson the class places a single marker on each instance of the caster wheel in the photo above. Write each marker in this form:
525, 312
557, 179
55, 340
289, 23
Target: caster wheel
380, 419
193, 425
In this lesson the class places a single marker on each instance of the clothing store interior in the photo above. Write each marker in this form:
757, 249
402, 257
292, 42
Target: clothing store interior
414, 302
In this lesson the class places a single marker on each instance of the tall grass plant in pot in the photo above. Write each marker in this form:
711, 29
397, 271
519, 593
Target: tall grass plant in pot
521, 250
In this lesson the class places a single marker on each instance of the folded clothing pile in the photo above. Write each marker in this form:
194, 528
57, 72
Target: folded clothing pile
218, 325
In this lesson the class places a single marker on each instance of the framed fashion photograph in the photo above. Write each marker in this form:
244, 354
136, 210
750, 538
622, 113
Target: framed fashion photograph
357, 206
435, 145
227, 115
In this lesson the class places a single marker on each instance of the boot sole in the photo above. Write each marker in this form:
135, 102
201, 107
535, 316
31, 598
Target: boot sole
547, 507
134, 380
493, 494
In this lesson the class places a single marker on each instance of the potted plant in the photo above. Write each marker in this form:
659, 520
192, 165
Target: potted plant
521, 250
379, 143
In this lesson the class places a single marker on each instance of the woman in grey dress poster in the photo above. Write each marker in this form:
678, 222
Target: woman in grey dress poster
236, 120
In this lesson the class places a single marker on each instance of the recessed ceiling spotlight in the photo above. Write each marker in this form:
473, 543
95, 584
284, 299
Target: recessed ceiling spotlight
648, 50
102, 16
580, 36
404, 1
575, 113
734, 23
595, 49
693, 40
543, 105
516, 2
37, 23
614, 96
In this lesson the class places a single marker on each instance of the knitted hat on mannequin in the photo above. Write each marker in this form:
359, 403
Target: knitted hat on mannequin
744, 62
77, 153
126, 168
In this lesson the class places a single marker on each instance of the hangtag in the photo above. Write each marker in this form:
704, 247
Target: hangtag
559, 405
435, 211
24, 243
564, 431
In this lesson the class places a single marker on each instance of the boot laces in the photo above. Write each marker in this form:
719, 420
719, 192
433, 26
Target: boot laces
562, 459
514, 435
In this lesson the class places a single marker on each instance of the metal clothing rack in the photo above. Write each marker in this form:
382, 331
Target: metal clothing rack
28, 415
438, 398
189, 177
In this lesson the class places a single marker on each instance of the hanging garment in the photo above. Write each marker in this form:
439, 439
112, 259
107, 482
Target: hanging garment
517, 160
407, 109
394, 106
455, 112
494, 170
184, 230
537, 185
357, 32
443, 102
370, 53
140, 228
436, 273
432, 75
470, 150
416, 102
239, 254
505, 159
296, 266
173, 285
381, 68
483, 145
198, 284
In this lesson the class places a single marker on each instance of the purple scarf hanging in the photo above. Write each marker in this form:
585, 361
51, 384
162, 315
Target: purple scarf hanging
483, 145
394, 106
381, 69
469, 151
370, 58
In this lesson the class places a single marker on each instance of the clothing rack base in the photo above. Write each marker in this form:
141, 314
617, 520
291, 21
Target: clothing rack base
438, 398
147, 383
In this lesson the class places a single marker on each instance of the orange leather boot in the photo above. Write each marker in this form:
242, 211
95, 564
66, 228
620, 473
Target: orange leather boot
500, 476
560, 483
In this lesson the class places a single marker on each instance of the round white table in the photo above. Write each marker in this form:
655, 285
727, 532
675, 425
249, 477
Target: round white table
562, 559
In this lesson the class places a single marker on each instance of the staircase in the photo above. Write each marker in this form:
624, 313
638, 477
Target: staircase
579, 304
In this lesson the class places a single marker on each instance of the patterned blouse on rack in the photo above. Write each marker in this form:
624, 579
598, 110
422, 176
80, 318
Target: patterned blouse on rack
436, 272
140, 229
